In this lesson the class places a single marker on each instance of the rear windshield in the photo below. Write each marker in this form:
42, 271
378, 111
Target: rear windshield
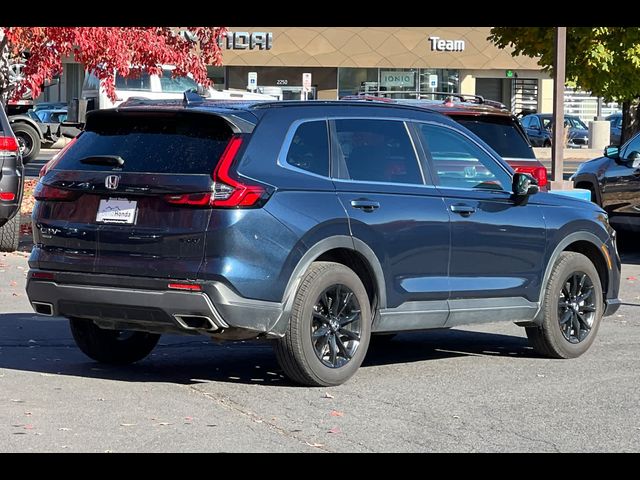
157, 143
500, 133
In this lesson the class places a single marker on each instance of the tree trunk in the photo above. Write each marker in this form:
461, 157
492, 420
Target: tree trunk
630, 119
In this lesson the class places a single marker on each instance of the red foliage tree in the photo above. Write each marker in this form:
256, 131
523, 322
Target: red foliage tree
105, 50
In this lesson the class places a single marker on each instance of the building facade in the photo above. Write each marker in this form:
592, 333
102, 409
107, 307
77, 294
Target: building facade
396, 62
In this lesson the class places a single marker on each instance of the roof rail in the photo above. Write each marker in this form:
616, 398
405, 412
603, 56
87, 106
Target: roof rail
368, 98
191, 97
466, 97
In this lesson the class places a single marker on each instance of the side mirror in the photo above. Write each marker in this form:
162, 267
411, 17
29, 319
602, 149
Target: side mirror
524, 185
203, 92
633, 160
612, 151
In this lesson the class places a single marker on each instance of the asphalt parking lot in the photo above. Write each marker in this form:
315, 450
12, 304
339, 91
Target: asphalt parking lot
480, 390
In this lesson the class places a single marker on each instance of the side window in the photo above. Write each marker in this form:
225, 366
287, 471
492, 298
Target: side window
309, 149
378, 151
460, 163
632, 146
134, 82
526, 122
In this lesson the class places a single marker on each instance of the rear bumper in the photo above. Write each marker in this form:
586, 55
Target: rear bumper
119, 302
8, 211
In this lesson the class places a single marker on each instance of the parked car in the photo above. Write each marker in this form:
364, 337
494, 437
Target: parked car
614, 182
11, 185
538, 128
40, 129
52, 115
315, 224
491, 121
49, 106
616, 128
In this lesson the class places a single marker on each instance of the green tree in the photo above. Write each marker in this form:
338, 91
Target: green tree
602, 60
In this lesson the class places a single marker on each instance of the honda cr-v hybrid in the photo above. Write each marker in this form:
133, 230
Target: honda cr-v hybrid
313, 224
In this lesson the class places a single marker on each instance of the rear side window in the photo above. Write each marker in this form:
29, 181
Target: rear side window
176, 84
140, 82
182, 143
459, 163
309, 149
501, 134
378, 151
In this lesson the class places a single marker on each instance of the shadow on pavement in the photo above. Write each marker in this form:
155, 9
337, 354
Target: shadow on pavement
29, 343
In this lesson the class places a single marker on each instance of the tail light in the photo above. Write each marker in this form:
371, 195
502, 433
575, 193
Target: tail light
7, 196
228, 192
193, 287
52, 163
8, 145
48, 193
537, 172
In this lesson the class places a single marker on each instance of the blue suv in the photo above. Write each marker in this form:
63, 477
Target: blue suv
314, 224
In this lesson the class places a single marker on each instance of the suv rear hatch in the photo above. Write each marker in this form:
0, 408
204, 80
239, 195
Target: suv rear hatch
132, 194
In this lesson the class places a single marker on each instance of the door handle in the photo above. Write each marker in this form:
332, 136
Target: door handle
365, 205
464, 210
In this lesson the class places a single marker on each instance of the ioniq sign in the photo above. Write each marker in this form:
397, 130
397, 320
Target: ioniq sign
397, 79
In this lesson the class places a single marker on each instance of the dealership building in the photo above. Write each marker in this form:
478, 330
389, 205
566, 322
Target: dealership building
395, 62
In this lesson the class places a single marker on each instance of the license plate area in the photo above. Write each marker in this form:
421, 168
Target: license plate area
117, 210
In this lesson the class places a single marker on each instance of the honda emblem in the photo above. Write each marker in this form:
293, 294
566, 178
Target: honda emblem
111, 182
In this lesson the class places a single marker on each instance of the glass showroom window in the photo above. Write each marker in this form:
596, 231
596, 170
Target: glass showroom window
352, 81
396, 82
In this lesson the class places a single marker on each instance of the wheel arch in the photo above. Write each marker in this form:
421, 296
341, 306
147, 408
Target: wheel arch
588, 245
590, 181
27, 121
348, 251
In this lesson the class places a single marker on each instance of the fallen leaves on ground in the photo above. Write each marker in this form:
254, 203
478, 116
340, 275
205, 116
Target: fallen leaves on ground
336, 413
28, 201
334, 430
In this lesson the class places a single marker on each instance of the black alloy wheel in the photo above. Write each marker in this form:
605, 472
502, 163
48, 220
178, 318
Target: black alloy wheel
336, 326
576, 307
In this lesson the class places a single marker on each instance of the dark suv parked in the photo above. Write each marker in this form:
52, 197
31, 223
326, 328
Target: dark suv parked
614, 182
316, 224
10, 186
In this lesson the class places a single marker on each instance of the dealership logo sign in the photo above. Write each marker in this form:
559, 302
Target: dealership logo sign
440, 45
246, 40
397, 79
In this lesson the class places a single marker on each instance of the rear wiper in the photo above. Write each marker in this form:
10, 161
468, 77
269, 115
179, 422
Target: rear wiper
108, 160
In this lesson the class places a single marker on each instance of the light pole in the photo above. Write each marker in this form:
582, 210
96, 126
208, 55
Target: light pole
557, 141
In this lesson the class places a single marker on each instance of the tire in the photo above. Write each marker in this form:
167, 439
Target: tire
28, 139
548, 339
118, 347
10, 234
546, 144
311, 362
